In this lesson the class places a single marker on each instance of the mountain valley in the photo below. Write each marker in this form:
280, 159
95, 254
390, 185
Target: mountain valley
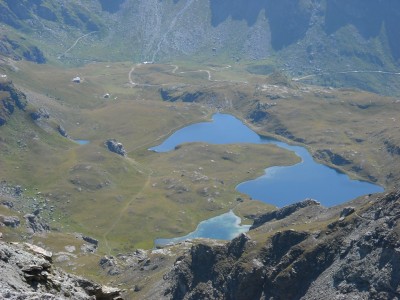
77, 74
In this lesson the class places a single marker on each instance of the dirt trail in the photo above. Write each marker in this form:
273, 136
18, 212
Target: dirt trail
143, 170
174, 70
74, 44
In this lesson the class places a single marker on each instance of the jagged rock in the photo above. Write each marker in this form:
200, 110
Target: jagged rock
47, 255
109, 263
34, 224
357, 258
346, 212
26, 275
283, 212
115, 147
238, 245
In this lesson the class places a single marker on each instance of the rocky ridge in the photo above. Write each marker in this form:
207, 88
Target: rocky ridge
356, 256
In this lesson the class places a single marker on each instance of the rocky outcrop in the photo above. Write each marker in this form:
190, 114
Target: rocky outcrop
283, 212
10, 100
110, 264
35, 225
334, 158
355, 257
258, 112
115, 147
41, 113
28, 273
61, 130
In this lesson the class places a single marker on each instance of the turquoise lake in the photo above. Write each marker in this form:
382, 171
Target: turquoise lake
224, 227
280, 185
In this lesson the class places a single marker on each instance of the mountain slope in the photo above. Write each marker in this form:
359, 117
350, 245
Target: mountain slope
355, 256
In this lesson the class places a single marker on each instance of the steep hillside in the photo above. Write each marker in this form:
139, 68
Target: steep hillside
38, 30
325, 42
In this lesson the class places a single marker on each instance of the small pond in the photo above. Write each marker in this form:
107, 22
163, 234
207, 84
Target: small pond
82, 142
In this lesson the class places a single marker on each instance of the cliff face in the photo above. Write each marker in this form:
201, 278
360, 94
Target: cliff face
354, 257
27, 273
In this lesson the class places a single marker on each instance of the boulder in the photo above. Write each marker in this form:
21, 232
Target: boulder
115, 147
62, 131
9, 221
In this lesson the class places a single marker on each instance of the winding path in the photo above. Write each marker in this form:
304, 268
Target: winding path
174, 70
75, 43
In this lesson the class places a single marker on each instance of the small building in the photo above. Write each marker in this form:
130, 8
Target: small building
76, 79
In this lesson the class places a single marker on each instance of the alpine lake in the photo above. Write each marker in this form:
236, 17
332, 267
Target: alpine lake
279, 186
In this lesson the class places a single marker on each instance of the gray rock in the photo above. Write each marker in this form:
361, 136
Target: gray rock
34, 224
90, 240
283, 212
110, 264
26, 275
9, 221
41, 113
346, 212
62, 131
357, 258
115, 147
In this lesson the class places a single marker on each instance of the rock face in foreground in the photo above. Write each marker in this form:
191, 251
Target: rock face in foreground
357, 256
27, 273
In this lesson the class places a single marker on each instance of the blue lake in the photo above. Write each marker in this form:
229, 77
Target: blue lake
227, 225
280, 185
